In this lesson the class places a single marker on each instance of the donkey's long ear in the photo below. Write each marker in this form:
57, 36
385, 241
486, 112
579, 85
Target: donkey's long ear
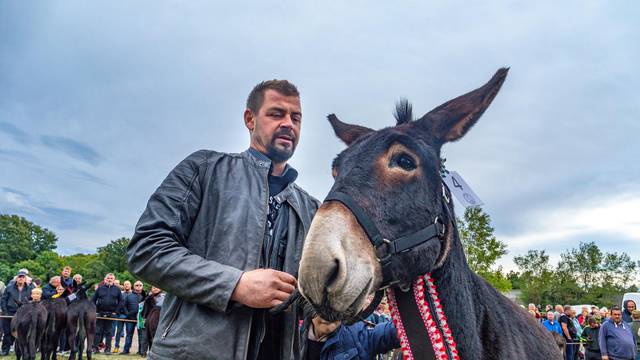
451, 120
346, 132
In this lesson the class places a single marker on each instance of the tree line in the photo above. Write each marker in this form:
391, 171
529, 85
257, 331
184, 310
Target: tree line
584, 275
24, 244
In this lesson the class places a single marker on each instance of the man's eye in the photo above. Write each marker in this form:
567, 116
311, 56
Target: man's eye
406, 162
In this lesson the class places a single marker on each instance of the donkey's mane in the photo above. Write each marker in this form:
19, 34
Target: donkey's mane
403, 112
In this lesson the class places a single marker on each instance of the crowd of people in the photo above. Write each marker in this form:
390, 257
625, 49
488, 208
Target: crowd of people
113, 300
595, 333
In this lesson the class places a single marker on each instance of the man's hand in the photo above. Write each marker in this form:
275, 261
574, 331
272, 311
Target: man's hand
263, 288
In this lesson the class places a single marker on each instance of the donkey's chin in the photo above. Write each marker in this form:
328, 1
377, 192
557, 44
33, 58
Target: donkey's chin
344, 306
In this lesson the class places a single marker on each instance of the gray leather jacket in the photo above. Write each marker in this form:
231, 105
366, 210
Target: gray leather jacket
201, 229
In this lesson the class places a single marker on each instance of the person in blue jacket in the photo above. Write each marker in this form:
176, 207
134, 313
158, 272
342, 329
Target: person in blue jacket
334, 340
551, 324
615, 338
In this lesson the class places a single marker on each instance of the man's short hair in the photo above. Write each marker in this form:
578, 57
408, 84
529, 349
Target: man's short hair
58, 278
66, 267
615, 308
567, 307
256, 96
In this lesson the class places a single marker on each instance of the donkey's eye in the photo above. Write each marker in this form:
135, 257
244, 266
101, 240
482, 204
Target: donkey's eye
406, 162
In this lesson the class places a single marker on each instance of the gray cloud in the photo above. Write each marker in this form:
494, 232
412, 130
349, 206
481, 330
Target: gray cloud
73, 148
14, 132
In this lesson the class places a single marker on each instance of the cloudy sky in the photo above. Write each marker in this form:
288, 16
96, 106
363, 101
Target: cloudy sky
98, 102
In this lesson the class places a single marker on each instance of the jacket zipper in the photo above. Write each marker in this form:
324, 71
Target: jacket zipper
173, 319
264, 229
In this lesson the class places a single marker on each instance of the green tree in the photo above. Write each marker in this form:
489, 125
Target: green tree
114, 255
482, 248
20, 239
46, 265
536, 276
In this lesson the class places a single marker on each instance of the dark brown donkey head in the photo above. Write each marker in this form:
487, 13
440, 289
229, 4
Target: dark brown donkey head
393, 175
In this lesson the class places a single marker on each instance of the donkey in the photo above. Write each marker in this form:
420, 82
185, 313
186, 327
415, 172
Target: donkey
81, 322
27, 326
56, 325
389, 222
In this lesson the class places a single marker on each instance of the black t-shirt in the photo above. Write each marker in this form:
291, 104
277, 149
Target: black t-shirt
564, 319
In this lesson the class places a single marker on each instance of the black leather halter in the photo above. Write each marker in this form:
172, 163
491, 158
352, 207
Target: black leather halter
386, 249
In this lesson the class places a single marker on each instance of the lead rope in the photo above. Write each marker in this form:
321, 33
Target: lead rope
440, 335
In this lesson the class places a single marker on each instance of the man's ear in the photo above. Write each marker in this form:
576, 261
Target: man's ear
249, 120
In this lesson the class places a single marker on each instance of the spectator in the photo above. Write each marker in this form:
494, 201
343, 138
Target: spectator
37, 283
629, 306
576, 324
132, 300
50, 289
65, 277
635, 329
568, 331
548, 308
17, 291
108, 300
59, 291
551, 324
536, 314
615, 339
604, 313
582, 318
590, 338
77, 278
122, 314
559, 311
333, 340
595, 311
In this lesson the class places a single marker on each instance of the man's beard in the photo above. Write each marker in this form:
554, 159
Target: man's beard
279, 154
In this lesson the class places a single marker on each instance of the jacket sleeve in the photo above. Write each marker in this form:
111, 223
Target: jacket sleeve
3, 302
94, 298
383, 338
602, 340
157, 253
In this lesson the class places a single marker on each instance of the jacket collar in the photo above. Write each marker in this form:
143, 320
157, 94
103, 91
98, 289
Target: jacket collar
263, 161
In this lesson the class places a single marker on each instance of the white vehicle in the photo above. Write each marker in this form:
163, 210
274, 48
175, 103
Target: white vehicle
631, 296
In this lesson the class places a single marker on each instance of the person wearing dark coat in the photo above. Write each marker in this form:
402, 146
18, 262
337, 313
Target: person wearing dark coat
51, 288
130, 303
334, 340
108, 300
16, 292
629, 306
590, 336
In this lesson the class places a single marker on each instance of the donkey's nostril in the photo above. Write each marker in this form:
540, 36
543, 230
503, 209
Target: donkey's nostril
333, 273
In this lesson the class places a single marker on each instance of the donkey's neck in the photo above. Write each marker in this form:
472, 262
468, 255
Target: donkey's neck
453, 283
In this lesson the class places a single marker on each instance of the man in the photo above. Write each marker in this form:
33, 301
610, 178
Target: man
559, 311
629, 306
551, 323
223, 236
616, 340
108, 300
65, 277
569, 330
18, 291
333, 340
635, 330
130, 305
122, 314
590, 336
51, 288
